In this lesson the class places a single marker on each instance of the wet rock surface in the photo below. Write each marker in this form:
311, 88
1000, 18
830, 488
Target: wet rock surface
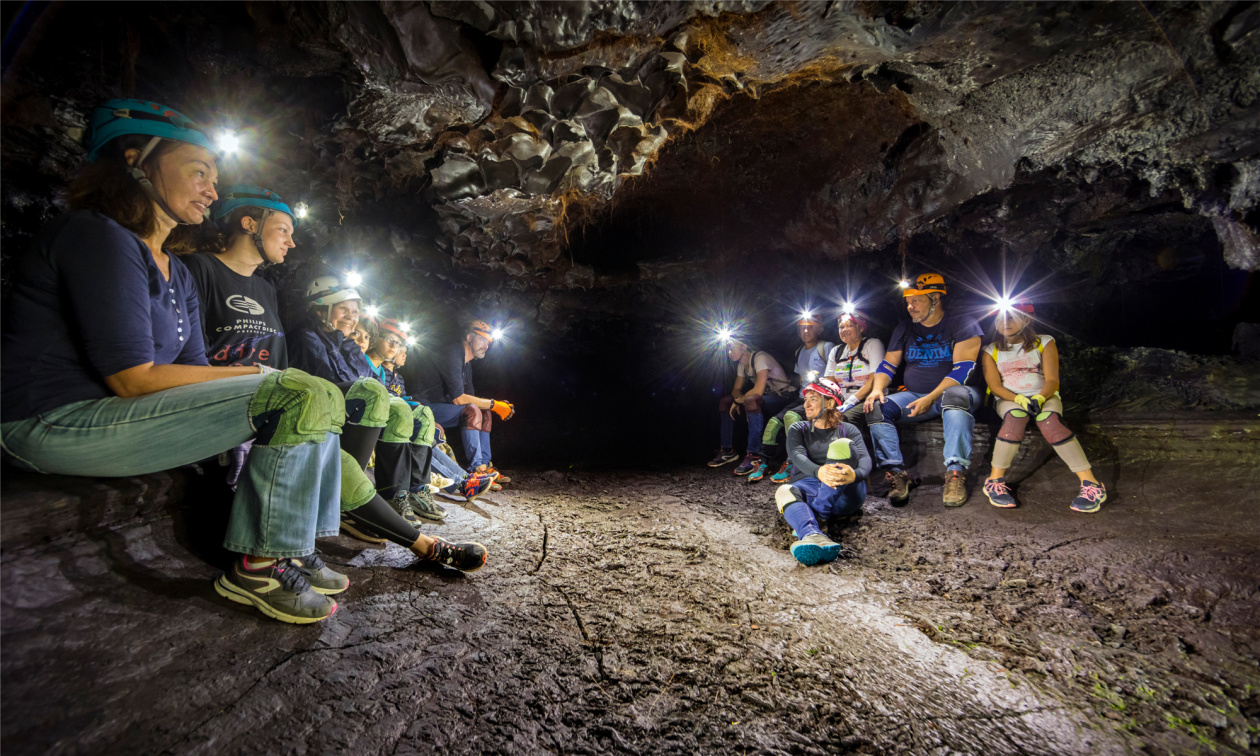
660, 612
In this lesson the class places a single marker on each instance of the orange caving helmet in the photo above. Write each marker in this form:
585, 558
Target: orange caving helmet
928, 283
482, 329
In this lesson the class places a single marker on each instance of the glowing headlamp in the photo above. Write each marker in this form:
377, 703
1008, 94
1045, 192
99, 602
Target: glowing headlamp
353, 279
496, 334
228, 142
372, 311
1004, 305
404, 327
903, 283
848, 308
301, 210
725, 335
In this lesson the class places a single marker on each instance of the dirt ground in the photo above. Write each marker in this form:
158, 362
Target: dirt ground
659, 612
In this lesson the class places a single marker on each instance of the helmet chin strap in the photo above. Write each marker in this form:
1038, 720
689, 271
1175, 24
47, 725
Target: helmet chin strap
138, 174
932, 307
258, 242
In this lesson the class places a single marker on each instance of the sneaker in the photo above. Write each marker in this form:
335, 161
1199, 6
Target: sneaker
999, 493
954, 493
815, 549
724, 457
476, 485
490, 468
440, 481
784, 474
751, 462
423, 505
279, 590
1090, 499
756, 475
898, 486
322, 579
466, 557
353, 531
401, 503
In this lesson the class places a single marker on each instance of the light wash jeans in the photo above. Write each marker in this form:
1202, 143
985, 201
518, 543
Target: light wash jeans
287, 495
476, 443
958, 424
448, 468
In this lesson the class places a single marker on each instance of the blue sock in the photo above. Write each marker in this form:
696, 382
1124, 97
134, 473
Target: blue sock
802, 519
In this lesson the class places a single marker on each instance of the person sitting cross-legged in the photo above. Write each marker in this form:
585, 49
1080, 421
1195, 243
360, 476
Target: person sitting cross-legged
831, 469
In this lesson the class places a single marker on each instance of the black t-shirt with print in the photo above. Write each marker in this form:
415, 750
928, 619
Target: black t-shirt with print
928, 353
438, 376
239, 315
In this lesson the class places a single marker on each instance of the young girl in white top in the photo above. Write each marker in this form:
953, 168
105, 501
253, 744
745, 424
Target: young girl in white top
1022, 370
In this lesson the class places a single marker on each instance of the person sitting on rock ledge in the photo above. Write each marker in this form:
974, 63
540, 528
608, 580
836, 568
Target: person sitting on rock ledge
940, 352
770, 393
811, 363
1022, 370
831, 466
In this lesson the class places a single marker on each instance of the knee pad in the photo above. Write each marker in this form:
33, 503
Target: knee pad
791, 418
725, 404
956, 397
787, 495
473, 418
1013, 426
400, 425
292, 407
884, 412
754, 404
367, 403
772, 431
1053, 429
356, 489
424, 428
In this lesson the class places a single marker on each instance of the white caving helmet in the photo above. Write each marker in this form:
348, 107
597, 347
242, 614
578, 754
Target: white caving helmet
327, 290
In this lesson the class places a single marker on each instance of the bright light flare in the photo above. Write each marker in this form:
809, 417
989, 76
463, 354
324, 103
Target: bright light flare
903, 283
405, 327
372, 311
496, 334
848, 308
353, 279
229, 142
807, 315
725, 335
1004, 305
301, 210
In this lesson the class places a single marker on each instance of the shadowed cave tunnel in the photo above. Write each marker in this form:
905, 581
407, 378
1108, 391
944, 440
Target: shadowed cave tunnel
611, 182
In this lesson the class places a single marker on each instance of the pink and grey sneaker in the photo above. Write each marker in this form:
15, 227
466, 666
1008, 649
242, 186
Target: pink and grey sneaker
1090, 499
999, 493
751, 462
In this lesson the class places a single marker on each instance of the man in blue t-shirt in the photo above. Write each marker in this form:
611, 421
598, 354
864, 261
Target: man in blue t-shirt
939, 352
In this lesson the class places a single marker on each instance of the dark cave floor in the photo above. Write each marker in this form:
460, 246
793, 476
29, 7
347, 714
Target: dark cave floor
660, 613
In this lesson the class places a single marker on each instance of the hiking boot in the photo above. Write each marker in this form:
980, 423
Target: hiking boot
466, 557
1091, 497
815, 549
954, 492
279, 590
401, 503
999, 493
352, 530
476, 485
784, 474
423, 505
724, 457
756, 475
898, 486
322, 579
750, 463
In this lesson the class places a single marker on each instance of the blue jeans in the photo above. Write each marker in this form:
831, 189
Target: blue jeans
958, 424
287, 496
448, 468
476, 443
770, 404
822, 502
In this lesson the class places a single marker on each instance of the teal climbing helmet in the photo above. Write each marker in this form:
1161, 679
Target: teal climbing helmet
247, 195
115, 118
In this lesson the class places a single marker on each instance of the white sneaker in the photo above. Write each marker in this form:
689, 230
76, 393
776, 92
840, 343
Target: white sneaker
438, 482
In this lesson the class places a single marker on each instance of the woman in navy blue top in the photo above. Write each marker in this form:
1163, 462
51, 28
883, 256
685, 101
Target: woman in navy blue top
105, 369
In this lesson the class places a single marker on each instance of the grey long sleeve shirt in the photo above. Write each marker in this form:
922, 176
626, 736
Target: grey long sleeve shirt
807, 448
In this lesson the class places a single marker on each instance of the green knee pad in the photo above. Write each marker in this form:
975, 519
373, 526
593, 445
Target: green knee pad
790, 419
1044, 416
425, 428
400, 425
292, 407
1018, 413
785, 495
356, 489
772, 431
367, 403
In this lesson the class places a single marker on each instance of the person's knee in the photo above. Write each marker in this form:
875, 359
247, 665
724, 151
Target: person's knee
956, 397
753, 404
400, 424
356, 488
791, 418
423, 427
1013, 426
1053, 429
786, 495
367, 403
470, 417
884, 413
725, 404
292, 407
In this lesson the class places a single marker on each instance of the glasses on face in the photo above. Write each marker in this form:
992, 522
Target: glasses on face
394, 342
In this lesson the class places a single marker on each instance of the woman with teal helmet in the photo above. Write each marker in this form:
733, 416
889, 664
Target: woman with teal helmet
105, 369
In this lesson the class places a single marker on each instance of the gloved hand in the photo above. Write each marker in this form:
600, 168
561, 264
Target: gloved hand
1023, 402
849, 404
1035, 404
504, 410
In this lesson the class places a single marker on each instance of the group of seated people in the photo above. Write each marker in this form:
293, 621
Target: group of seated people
124, 358
824, 464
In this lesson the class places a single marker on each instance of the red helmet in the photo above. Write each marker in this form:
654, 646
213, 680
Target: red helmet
1019, 303
392, 326
827, 388
858, 320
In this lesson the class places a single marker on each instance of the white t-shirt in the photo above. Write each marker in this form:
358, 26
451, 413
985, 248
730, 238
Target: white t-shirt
850, 369
776, 383
1021, 371
812, 360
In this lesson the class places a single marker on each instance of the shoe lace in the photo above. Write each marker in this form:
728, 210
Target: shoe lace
422, 501
783, 468
402, 502
997, 486
292, 578
311, 562
1091, 493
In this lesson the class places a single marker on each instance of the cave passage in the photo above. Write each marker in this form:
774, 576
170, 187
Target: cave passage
599, 205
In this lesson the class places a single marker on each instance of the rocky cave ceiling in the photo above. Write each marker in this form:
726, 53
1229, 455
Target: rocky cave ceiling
523, 138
